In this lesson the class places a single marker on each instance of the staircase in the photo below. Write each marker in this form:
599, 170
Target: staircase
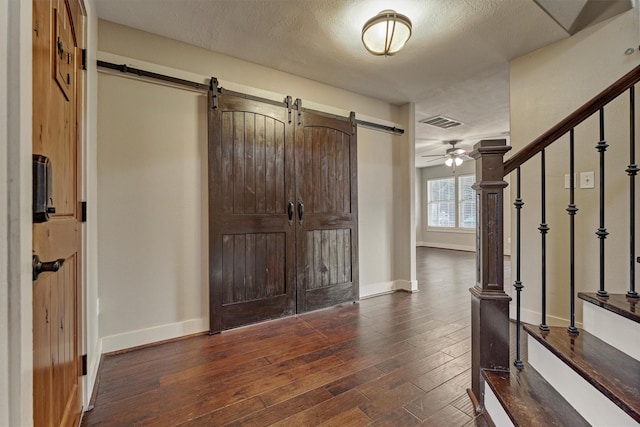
542, 375
575, 380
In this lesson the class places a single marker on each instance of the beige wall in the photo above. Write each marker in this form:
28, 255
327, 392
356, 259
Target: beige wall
403, 161
546, 86
152, 182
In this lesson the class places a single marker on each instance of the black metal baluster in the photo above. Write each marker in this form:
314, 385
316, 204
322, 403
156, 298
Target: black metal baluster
518, 283
632, 171
544, 228
602, 231
572, 209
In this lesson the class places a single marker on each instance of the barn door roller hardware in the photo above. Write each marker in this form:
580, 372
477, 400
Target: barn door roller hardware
287, 101
213, 86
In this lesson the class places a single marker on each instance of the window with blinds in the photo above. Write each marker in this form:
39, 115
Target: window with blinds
466, 202
451, 202
442, 202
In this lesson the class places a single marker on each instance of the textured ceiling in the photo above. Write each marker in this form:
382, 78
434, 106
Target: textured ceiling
455, 64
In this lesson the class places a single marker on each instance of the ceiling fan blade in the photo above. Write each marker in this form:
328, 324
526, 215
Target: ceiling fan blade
433, 160
432, 155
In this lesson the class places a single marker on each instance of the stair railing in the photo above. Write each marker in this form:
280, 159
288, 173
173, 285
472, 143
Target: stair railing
489, 302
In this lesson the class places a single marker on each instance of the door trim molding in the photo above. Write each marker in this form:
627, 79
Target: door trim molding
16, 360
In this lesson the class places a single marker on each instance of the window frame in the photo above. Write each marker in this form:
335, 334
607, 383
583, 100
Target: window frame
461, 200
457, 202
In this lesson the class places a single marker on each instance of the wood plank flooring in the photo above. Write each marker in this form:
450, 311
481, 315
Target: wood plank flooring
394, 360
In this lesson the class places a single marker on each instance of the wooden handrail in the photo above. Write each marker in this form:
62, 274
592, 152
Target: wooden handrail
573, 120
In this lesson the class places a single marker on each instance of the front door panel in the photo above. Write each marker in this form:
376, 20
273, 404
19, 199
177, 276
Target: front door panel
57, 97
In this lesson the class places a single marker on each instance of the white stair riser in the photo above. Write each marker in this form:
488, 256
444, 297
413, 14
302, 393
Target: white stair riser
594, 407
612, 328
495, 410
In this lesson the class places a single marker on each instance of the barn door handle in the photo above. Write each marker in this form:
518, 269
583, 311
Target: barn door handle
290, 212
39, 266
300, 211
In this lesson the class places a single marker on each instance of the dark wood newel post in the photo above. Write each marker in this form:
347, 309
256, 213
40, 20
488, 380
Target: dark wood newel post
489, 302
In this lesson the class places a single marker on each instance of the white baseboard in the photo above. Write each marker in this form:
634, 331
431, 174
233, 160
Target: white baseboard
408, 285
594, 407
381, 288
155, 334
507, 249
92, 372
534, 317
447, 246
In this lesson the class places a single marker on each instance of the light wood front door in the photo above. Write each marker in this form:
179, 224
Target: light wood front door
57, 99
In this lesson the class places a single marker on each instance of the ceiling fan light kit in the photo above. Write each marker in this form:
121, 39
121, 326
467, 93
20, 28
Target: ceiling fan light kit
453, 156
453, 159
386, 33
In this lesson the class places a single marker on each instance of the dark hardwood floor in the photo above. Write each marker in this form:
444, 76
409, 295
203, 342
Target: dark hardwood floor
394, 360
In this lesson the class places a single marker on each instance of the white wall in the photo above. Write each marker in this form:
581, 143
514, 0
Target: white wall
16, 361
546, 86
152, 180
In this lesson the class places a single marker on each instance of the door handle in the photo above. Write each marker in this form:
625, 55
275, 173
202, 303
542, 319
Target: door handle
290, 212
39, 266
300, 211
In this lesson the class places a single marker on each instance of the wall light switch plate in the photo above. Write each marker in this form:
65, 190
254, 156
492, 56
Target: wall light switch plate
567, 183
587, 180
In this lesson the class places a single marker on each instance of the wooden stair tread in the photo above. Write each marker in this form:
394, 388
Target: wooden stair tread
612, 372
617, 303
530, 400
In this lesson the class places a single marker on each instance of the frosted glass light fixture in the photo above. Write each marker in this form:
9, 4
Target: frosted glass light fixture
386, 33
451, 160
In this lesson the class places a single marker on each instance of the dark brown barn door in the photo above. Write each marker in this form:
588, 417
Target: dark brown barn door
252, 240
326, 203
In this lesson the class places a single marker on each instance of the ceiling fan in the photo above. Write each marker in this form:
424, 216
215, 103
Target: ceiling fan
454, 156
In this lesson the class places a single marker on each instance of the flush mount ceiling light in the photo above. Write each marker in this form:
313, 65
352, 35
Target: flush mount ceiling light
386, 33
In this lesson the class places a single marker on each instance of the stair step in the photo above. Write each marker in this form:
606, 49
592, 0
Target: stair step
617, 303
615, 320
612, 372
529, 400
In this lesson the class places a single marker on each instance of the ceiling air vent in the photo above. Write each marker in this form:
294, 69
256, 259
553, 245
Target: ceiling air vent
441, 122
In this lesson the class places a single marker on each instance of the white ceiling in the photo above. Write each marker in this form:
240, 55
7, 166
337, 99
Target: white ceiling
455, 64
